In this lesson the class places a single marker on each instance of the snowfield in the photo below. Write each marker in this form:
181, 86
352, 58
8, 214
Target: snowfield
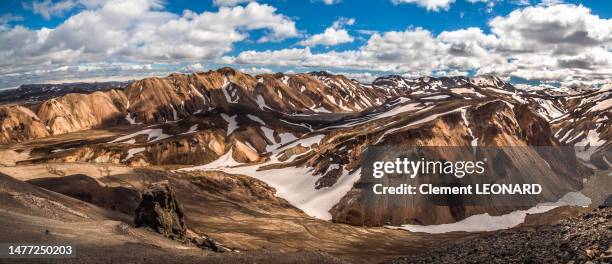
294, 184
486, 222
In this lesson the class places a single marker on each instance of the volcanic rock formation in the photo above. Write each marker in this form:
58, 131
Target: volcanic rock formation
160, 211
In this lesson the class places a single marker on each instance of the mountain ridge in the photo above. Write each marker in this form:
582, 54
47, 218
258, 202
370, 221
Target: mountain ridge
314, 92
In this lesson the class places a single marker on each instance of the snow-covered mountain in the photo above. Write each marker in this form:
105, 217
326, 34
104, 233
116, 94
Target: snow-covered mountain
304, 134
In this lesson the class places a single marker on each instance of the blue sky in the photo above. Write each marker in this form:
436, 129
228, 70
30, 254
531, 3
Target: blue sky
560, 43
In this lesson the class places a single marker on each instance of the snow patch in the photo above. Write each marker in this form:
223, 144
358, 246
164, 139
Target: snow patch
486, 222
174, 113
192, 129
262, 103
256, 119
60, 150
435, 97
132, 152
152, 135
296, 185
321, 109
131, 120
424, 120
474, 142
232, 124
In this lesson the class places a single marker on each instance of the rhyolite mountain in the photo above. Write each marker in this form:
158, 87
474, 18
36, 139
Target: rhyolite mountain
304, 134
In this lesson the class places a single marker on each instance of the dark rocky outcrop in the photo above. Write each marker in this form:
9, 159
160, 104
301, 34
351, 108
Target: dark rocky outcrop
160, 211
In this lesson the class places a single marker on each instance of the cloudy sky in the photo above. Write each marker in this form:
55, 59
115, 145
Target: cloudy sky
548, 42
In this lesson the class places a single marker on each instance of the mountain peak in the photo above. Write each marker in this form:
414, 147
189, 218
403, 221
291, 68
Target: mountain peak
488, 81
227, 71
321, 73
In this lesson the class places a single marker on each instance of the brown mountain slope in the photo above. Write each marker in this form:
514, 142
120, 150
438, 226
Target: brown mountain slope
177, 96
19, 123
69, 113
75, 112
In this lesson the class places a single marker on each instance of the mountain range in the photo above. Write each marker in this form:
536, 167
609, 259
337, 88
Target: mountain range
296, 141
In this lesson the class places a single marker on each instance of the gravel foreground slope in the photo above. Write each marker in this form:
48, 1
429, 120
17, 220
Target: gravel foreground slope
582, 239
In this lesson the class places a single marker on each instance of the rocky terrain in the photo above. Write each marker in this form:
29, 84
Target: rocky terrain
274, 161
586, 238
263, 227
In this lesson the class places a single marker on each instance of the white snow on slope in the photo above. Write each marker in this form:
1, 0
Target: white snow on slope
320, 109
60, 150
474, 142
192, 129
407, 108
269, 133
231, 123
284, 138
435, 97
226, 86
547, 110
256, 119
262, 103
132, 152
152, 135
296, 185
588, 145
174, 113
486, 222
418, 122
575, 137
305, 142
592, 139
130, 120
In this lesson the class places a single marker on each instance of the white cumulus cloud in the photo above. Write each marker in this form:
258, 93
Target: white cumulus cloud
331, 2
561, 43
433, 5
230, 2
333, 35
139, 31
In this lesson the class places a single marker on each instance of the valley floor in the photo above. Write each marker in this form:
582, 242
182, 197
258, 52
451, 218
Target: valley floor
265, 229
